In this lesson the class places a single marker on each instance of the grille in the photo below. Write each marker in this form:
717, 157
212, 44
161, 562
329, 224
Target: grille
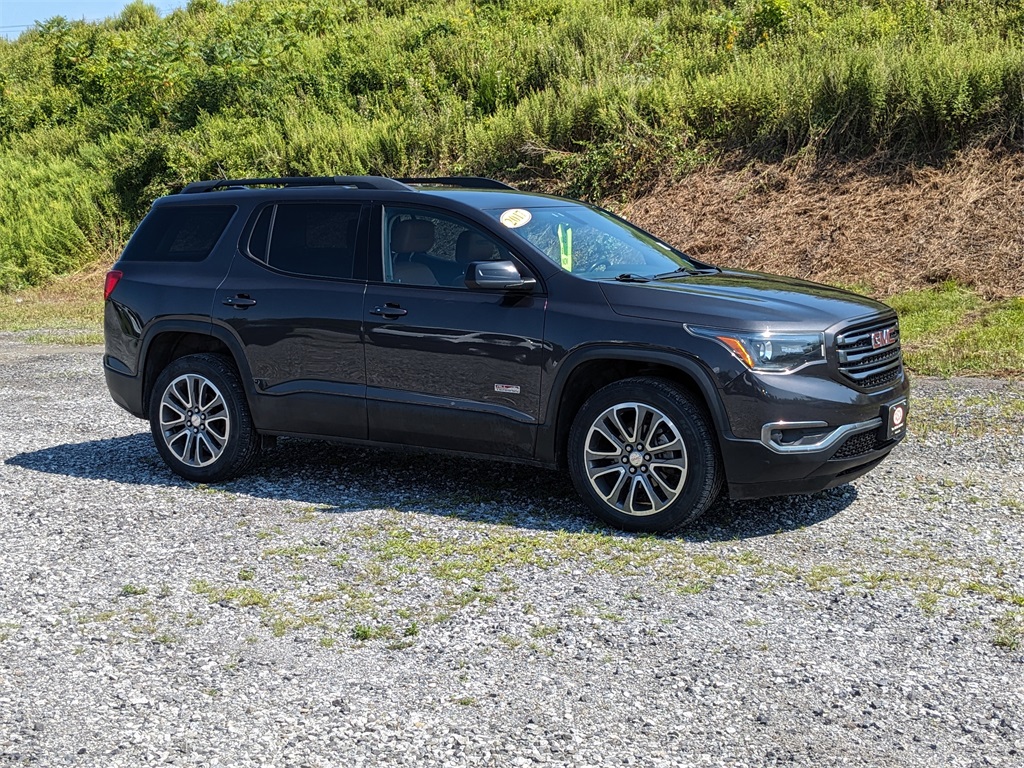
858, 445
869, 354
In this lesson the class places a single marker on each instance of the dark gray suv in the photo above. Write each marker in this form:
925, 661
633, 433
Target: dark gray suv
462, 315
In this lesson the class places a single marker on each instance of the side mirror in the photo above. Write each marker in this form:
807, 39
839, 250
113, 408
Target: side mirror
497, 276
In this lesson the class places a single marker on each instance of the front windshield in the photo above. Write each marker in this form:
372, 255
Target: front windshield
592, 243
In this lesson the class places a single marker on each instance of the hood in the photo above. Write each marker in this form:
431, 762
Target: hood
742, 301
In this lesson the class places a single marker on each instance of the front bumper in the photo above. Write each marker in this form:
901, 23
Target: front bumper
754, 471
803, 444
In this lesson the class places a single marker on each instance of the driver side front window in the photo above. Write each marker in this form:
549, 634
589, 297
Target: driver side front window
425, 248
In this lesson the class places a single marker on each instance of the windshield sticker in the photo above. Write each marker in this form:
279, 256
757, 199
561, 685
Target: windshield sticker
565, 246
515, 217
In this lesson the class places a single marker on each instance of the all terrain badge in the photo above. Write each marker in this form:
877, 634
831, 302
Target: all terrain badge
507, 389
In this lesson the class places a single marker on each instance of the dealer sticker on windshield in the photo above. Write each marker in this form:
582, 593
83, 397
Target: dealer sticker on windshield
515, 217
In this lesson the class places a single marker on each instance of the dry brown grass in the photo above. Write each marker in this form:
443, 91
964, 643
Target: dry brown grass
72, 304
880, 228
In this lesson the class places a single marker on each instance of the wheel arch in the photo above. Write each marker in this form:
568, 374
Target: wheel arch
168, 342
586, 372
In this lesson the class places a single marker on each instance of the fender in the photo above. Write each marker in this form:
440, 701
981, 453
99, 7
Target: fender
547, 448
199, 328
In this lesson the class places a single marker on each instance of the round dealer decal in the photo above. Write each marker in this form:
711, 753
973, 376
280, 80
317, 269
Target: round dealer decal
897, 416
515, 217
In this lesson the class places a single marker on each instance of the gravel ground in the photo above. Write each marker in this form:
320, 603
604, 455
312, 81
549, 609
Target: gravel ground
352, 607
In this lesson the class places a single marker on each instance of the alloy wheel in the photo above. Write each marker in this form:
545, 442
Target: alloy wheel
635, 459
194, 420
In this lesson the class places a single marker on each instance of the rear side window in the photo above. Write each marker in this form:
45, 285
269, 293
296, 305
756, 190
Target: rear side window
315, 239
260, 237
178, 233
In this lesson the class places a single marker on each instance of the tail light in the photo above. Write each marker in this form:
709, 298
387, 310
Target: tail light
112, 278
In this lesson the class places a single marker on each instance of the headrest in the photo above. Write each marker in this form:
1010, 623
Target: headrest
473, 247
412, 235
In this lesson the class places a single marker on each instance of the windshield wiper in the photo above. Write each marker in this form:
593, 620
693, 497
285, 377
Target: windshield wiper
630, 277
687, 272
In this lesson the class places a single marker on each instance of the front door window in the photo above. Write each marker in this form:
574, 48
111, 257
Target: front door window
425, 248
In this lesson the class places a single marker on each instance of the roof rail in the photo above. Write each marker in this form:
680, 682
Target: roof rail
470, 182
359, 182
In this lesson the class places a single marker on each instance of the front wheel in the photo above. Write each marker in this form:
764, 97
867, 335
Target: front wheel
200, 419
642, 456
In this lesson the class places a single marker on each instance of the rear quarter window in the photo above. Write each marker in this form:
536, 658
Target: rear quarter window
178, 233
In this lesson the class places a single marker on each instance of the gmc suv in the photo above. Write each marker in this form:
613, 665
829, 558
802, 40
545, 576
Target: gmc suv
462, 315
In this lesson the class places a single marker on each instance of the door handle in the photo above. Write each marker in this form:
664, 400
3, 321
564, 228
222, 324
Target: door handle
389, 311
239, 302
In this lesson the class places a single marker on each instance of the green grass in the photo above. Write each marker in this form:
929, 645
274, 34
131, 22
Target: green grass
951, 331
364, 632
371, 602
1010, 630
242, 597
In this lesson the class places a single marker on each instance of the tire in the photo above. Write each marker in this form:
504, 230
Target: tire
200, 419
659, 487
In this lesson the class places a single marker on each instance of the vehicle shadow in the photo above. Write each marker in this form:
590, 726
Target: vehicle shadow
339, 478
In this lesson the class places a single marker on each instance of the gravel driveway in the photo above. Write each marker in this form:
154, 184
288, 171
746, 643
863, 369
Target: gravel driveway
348, 607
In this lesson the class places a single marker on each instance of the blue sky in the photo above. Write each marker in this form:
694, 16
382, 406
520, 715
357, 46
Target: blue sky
18, 15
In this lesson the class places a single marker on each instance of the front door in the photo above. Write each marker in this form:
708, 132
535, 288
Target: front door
446, 366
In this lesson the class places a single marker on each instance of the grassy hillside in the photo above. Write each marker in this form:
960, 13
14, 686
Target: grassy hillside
588, 96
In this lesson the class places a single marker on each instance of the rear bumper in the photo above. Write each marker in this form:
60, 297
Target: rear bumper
125, 389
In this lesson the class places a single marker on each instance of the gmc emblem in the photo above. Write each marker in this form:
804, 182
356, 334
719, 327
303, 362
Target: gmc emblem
883, 338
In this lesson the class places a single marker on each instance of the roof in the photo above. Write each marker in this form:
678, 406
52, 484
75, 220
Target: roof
476, 192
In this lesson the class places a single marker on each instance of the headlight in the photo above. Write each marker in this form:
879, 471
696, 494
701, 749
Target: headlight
767, 351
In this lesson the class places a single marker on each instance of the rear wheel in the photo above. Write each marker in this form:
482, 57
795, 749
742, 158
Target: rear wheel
200, 419
642, 456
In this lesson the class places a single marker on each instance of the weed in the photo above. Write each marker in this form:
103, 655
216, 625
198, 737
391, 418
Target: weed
241, 597
694, 587
1010, 630
298, 552
928, 602
543, 630
365, 632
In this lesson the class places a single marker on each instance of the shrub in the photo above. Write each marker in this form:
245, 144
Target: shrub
592, 96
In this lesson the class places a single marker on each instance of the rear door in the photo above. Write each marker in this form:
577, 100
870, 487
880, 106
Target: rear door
446, 366
294, 300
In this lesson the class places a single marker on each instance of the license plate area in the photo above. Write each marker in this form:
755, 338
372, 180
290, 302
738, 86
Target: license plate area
894, 420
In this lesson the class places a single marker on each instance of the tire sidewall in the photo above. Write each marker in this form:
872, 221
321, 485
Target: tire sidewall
703, 479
